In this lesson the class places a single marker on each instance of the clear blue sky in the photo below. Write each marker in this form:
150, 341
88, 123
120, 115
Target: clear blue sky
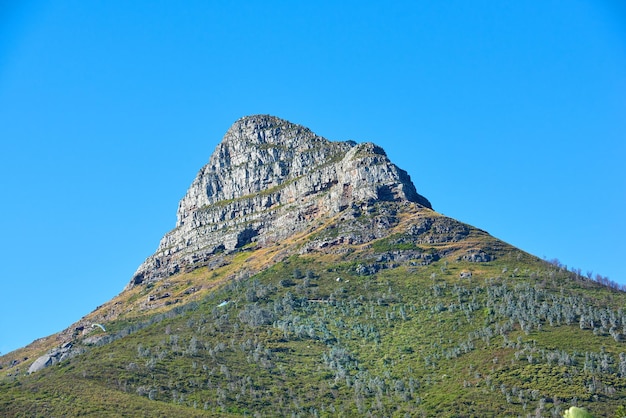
510, 116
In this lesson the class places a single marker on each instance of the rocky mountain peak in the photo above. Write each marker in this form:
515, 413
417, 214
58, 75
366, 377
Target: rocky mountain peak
266, 180
257, 153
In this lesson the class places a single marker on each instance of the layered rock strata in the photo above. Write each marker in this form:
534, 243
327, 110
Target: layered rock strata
267, 180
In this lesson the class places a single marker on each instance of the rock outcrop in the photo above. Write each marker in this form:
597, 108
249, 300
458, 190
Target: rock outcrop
267, 180
54, 356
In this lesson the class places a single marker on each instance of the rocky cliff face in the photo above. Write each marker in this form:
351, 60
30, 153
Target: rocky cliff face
267, 180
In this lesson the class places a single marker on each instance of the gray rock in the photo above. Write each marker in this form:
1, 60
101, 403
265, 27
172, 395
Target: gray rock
477, 257
42, 362
53, 356
267, 180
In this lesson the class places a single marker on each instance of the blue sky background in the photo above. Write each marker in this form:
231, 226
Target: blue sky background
510, 116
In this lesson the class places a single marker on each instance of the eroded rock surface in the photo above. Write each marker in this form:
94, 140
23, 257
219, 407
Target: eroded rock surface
267, 180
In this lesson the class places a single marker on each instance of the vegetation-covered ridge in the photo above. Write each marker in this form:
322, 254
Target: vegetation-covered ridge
430, 317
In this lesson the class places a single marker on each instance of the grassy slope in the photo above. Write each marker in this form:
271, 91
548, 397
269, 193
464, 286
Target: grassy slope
405, 339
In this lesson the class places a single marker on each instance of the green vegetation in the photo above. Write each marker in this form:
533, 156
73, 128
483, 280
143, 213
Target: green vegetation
351, 333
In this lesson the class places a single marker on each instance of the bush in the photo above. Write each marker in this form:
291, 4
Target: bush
255, 316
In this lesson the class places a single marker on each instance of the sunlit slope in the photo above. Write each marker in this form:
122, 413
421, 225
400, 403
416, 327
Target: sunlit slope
432, 317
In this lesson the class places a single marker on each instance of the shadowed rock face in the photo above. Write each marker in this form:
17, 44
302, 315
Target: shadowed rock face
267, 180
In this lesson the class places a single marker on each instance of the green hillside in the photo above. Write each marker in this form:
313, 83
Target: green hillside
436, 320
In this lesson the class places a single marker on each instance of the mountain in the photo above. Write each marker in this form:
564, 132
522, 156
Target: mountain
307, 277
267, 180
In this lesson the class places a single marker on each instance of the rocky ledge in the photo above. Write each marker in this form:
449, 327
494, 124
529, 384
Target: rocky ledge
267, 180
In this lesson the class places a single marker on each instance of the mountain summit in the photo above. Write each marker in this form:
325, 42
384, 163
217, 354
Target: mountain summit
266, 180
